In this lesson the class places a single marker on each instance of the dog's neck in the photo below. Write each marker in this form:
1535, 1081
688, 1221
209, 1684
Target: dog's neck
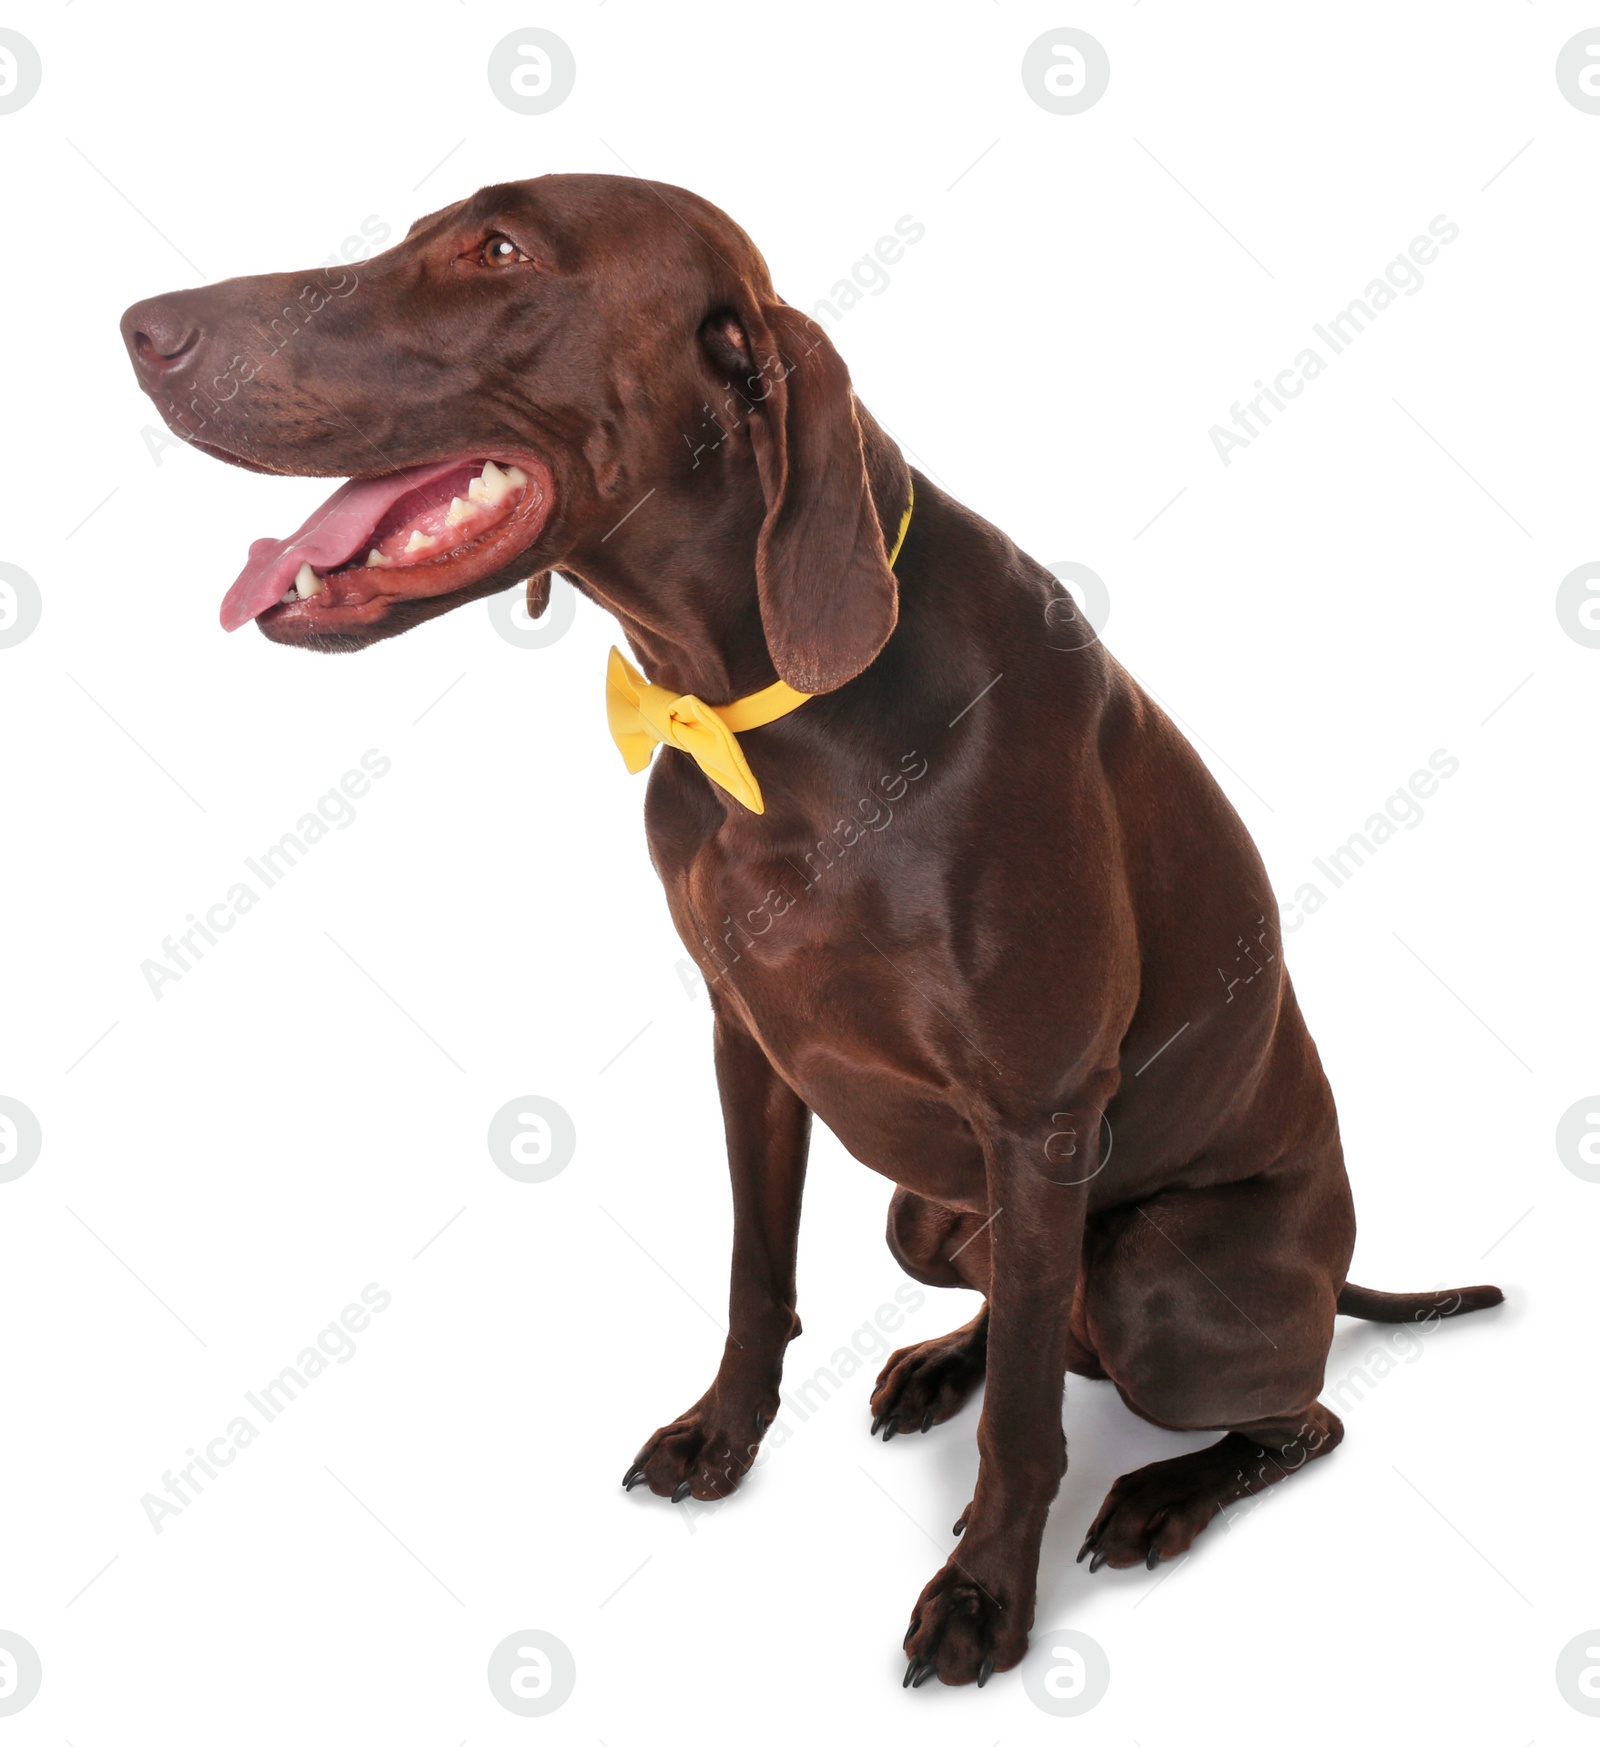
679, 572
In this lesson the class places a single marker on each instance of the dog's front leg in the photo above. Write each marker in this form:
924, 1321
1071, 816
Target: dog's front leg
706, 1451
976, 1613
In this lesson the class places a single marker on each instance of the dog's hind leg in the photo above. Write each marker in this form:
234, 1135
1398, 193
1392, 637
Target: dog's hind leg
939, 1245
1214, 1307
1155, 1512
923, 1385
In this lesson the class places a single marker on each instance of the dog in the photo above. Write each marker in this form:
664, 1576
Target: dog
957, 885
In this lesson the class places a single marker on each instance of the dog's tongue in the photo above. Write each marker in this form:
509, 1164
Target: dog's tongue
334, 533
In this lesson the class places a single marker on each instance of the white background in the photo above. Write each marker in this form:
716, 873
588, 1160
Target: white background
226, 1167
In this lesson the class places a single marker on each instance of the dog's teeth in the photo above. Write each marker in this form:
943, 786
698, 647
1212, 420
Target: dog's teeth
419, 541
490, 486
459, 511
376, 557
495, 483
307, 582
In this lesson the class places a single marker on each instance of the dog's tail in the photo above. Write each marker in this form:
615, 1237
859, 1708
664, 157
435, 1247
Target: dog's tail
1373, 1306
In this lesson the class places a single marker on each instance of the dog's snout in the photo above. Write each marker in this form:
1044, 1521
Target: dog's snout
161, 337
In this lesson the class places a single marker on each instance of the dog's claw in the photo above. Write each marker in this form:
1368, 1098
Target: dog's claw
958, 1525
911, 1668
986, 1670
632, 1478
681, 1492
761, 1424
1152, 1559
1097, 1561
927, 1421
1090, 1542
924, 1669
877, 1425
888, 1431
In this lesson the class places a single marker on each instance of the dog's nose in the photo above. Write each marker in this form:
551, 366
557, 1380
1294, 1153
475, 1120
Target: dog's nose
161, 337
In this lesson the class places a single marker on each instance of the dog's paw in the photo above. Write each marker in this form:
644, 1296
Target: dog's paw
705, 1454
1156, 1512
962, 1630
924, 1385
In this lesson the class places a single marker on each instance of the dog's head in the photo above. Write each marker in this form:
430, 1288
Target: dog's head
505, 391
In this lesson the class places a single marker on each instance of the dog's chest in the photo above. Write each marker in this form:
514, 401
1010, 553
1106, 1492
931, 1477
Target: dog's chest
787, 946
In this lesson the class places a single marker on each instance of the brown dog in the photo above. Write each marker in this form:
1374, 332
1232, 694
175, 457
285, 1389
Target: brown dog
996, 924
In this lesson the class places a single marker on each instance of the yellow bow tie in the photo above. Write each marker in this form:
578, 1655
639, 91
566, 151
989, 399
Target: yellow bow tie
643, 716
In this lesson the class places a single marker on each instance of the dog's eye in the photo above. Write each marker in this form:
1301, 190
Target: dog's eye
500, 251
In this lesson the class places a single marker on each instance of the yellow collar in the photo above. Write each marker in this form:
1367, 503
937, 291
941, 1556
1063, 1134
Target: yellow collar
643, 716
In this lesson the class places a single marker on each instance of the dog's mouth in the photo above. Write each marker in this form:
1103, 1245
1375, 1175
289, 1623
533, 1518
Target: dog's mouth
414, 534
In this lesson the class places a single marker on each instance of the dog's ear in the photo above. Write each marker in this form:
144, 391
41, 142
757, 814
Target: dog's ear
828, 597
